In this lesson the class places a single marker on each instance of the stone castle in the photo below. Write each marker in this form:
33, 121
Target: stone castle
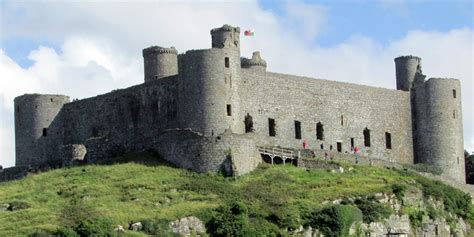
211, 109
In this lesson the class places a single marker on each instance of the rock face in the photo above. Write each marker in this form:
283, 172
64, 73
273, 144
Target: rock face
393, 226
187, 226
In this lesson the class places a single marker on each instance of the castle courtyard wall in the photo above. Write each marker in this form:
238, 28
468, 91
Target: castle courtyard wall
127, 117
287, 98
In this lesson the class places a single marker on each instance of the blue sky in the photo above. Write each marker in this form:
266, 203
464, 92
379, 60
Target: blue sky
85, 48
385, 20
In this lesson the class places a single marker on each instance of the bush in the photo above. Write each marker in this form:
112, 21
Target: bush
335, 221
399, 190
455, 201
372, 211
149, 227
470, 216
416, 218
230, 219
65, 232
287, 218
95, 227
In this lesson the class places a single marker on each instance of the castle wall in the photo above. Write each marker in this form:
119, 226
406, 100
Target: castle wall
233, 154
126, 118
287, 98
38, 128
439, 126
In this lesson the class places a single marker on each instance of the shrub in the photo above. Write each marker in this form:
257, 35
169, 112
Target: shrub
65, 232
285, 217
470, 216
455, 201
372, 211
149, 226
335, 221
230, 219
95, 227
399, 190
416, 218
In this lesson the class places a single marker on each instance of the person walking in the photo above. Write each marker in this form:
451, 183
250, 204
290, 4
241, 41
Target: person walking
357, 155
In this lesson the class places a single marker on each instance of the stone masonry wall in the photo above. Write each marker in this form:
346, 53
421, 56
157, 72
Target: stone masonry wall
231, 153
13, 173
128, 117
344, 109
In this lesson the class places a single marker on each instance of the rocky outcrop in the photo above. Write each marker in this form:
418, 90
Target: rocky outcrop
187, 226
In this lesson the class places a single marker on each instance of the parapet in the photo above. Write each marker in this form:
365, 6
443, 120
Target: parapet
256, 63
407, 57
225, 27
256, 60
159, 50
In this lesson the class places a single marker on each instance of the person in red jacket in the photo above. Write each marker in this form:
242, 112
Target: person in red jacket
356, 153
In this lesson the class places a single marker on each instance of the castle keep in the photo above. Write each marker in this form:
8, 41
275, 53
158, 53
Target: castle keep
209, 110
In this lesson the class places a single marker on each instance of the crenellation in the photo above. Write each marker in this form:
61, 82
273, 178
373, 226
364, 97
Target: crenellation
209, 110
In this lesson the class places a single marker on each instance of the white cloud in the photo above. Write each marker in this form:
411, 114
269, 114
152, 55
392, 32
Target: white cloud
100, 48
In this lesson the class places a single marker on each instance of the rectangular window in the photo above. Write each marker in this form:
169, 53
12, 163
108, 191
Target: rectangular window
297, 129
454, 94
352, 143
454, 114
339, 146
229, 110
271, 127
342, 120
45, 132
367, 137
388, 140
227, 62
319, 131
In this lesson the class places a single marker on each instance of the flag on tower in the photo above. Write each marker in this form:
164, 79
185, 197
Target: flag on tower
248, 33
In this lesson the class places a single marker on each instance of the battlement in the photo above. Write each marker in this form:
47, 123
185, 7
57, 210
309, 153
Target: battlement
407, 57
256, 60
159, 50
225, 28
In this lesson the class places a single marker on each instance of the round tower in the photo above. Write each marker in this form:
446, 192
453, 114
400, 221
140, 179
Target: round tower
160, 62
209, 82
406, 68
226, 37
38, 128
439, 126
256, 63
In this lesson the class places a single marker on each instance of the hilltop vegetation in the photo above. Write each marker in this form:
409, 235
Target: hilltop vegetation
94, 199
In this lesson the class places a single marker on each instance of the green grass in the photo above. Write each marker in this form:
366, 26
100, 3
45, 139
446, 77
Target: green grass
135, 191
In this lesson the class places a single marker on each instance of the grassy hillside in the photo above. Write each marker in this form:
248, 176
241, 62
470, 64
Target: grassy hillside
275, 197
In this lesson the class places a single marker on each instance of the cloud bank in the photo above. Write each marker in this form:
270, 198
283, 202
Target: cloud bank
99, 48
